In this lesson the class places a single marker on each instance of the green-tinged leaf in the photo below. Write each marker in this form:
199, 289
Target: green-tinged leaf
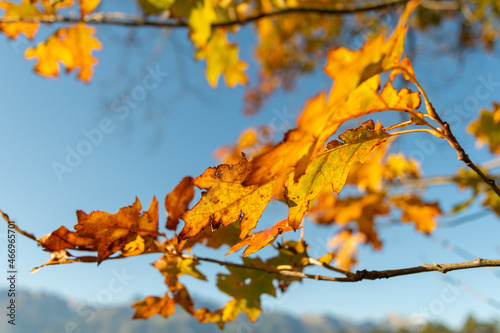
173, 267
331, 166
155, 7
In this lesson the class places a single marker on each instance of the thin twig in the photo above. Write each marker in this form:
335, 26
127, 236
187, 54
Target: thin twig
22, 232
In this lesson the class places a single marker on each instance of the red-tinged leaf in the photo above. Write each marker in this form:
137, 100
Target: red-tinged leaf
177, 201
26, 9
62, 239
226, 200
260, 239
113, 231
331, 166
151, 305
72, 47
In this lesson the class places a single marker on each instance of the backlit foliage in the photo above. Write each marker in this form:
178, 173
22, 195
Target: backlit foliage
306, 171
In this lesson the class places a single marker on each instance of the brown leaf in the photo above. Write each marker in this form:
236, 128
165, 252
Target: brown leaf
113, 231
177, 201
62, 238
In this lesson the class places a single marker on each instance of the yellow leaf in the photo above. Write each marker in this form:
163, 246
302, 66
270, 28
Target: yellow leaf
155, 7
26, 9
72, 47
88, 6
222, 59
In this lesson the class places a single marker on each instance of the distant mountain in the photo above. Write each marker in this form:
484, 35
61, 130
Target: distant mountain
45, 313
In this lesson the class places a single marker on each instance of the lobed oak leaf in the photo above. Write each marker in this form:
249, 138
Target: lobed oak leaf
226, 200
72, 47
62, 238
177, 201
258, 240
112, 232
320, 119
245, 283
421, 213
331, 166
151, 305
487, 128
26, 9
222, 59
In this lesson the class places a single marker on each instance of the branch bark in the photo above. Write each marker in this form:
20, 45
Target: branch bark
122, 19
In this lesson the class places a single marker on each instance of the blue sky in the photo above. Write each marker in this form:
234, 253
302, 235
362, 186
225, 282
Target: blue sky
172, 132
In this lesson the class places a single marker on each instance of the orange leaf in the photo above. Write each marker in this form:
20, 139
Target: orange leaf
320, 119
112, 231
261, 239
62, 238
418, 211
88, 6
226, 200
152, 305
14, 11
346, 242
72, 47
177, 201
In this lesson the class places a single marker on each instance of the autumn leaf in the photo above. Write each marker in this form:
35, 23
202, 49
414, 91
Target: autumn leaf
62, 238
258, 240
346, 243
228, 313
226, 200
87, 6
177, 201
200, 15
222, 59
27, 10
248, 285
331, 166
487, 128
112, 232
292, 256
151, 305
321, 118
174, 266
72, 47
421, 213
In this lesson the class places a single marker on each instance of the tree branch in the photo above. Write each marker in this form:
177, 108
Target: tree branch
115, 18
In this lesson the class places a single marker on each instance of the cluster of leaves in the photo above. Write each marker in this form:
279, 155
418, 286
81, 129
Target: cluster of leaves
306, 170
293, 37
